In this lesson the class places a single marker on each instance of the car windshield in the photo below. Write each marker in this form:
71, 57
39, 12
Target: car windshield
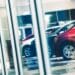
61, 28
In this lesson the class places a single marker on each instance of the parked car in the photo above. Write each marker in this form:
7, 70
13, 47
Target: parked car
61, 42
29, 51
65, 42
28, 46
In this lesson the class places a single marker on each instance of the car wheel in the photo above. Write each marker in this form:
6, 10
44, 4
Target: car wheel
27, 51
68, 51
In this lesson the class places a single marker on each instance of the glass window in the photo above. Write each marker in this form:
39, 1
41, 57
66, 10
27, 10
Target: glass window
63, 15
7, 43
26, 45
24, 19
60, 35
72, 14
4, 28
52, 17
28, 31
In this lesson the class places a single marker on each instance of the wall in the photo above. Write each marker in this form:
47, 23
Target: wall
53, 5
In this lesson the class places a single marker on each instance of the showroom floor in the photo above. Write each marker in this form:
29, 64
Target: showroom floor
63, 69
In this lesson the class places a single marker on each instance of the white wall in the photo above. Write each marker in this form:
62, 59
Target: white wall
53, 5
23, 7
2, 3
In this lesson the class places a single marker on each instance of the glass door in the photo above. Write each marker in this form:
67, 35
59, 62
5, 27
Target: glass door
27, 51
59, 17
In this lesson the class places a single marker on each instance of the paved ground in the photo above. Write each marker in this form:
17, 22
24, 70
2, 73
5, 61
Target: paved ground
61, 69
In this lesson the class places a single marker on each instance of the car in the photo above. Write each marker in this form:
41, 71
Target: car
29, 51
65, 42
61, 42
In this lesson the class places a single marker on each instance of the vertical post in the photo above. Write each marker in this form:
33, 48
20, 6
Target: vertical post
13, 28
3, 51
38, 48
2, 59
37, 15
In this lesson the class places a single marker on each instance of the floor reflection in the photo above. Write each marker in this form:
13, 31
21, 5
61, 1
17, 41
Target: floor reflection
65, 69
59, 68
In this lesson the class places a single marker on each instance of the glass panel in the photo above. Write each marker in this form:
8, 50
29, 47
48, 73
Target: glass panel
60, 35
52, 17
6, 34
9, 55
72, 14
63, 15
26, 37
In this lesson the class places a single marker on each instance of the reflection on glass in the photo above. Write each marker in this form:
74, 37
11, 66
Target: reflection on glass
52, 16
6, 34
72, 11
8, 50
26, 35
60, 34
63, 15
